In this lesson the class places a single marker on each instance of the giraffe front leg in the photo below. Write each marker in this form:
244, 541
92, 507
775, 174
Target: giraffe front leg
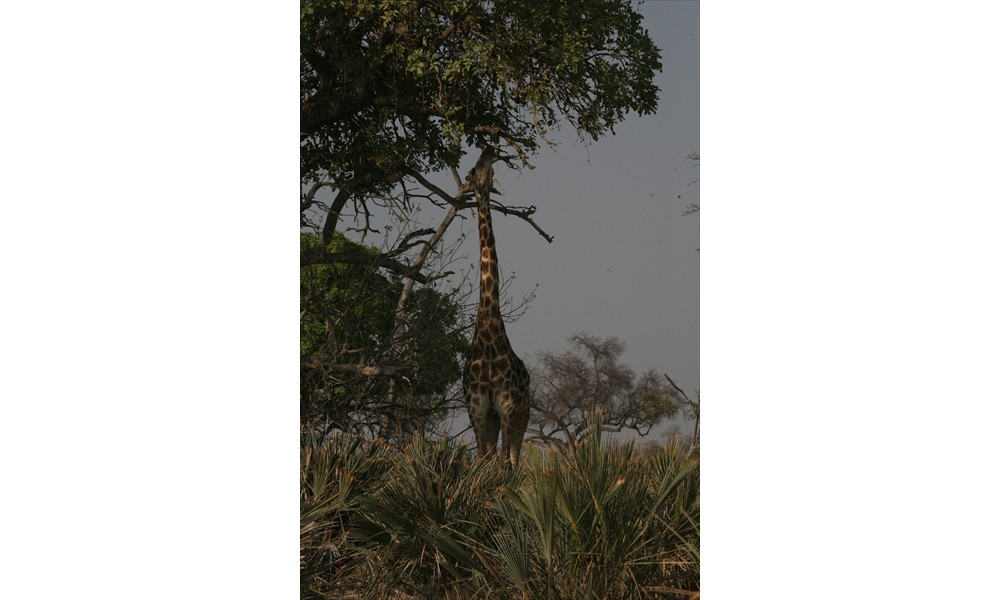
486, 426
487, 443
482, 414
515, 423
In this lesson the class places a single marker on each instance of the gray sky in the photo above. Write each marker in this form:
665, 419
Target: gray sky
625, 260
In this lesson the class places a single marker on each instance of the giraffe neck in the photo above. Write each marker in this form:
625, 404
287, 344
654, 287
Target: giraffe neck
489, 278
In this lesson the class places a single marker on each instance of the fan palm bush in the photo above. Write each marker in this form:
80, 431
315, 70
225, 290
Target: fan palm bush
597, 520
335, 476
678, 509
423, 523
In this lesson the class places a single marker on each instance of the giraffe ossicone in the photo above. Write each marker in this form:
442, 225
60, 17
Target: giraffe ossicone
495, 380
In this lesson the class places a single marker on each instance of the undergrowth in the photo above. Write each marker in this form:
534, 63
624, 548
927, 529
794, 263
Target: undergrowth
599, 520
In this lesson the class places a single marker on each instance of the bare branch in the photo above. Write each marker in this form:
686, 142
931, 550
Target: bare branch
375, 260
522, 213
372, 176
417, 265
458, 178
433, 188
310, 196
405, 244
678, 388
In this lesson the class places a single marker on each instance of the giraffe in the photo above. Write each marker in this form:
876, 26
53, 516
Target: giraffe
495, 380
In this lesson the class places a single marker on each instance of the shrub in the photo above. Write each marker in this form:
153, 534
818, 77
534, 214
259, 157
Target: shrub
598, 520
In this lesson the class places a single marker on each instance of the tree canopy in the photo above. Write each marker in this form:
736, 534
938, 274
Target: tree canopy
390, 85
395, 89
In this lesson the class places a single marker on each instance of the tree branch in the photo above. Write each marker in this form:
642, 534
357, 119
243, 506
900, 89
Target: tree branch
522, 212
406, 243
678, 388
310, 196
315, 362
410, 110
372, 176
417, 265
323, 108
433, 188
372, 260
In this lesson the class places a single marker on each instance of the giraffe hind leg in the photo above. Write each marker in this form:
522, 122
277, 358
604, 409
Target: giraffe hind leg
513, 435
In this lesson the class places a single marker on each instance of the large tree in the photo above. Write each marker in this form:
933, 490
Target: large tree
394, 92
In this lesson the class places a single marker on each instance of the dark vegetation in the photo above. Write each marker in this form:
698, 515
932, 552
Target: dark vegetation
596, 520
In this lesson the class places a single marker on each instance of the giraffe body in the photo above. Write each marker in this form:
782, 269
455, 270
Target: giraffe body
496, 381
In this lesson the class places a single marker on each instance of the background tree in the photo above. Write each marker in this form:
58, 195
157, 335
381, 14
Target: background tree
587, 378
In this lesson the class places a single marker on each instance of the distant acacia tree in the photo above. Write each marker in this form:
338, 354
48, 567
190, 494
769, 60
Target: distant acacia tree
589, 377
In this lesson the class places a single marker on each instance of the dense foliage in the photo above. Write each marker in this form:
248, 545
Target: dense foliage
402, 83
594, 521
348, 315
